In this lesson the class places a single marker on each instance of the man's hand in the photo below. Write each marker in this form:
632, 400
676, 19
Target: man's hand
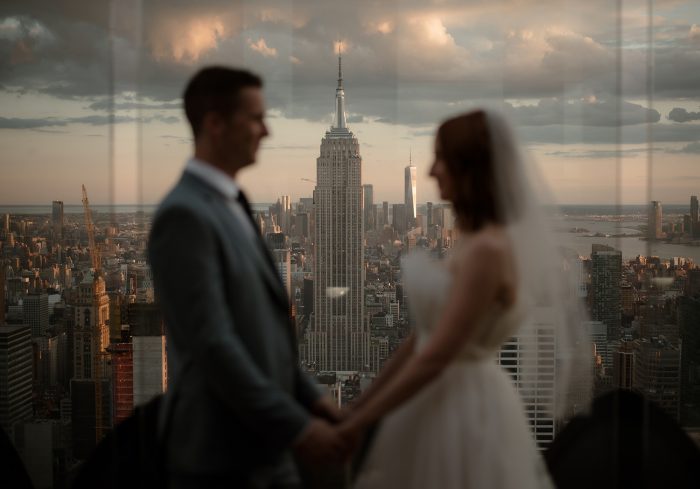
325, 408
351, 434
320, 442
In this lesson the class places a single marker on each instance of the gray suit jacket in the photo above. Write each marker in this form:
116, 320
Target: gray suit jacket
236, 397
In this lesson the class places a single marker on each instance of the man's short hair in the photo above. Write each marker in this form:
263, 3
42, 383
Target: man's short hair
215, 89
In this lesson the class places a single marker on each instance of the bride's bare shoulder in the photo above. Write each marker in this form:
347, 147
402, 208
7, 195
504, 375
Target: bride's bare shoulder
489, 244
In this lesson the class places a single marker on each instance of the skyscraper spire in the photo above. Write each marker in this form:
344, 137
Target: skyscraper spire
340, 122
340, 66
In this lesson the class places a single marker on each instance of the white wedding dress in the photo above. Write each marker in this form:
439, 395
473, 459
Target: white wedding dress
467, 428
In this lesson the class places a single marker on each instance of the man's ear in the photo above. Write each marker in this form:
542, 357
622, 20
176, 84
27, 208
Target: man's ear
212, 123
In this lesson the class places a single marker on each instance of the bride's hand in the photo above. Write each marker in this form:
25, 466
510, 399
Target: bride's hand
351, 433
325, 408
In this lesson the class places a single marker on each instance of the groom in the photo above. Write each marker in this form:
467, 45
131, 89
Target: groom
237, 405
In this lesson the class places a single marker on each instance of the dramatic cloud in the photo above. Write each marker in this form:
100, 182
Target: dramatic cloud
681, 115
93, 120
692, 148
409, 65
637, 134
104, 105
186, 40
603, 153
694, 33
586, 112
261, 47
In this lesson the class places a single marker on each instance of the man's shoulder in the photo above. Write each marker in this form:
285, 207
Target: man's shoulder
184, 197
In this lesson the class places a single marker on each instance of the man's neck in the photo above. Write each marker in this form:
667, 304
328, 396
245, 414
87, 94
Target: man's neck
210, 158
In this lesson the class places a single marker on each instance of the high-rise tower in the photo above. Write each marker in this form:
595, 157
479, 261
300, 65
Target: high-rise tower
410, 194
606, 279
370, 211
693, 231
339, 338
15, 376
655, 220
57, 219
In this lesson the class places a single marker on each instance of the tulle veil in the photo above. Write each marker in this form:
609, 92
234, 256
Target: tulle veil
548, 277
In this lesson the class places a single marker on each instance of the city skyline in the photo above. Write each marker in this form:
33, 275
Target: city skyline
412, 67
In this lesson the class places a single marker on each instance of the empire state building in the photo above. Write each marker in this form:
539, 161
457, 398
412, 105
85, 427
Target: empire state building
339, 339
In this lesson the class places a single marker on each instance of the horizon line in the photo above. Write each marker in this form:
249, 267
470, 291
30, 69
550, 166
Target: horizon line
379, 202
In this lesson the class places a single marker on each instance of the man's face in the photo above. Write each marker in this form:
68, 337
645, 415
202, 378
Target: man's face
245, 128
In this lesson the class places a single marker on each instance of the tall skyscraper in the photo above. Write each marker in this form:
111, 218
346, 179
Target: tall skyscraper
606, 278
410, 195
91, 309
35, 309
655, 220
282, 259
15, 375
368, 204
398, 218
339, 338
688, 321
6, 223
150, 364
597, 331
57, 219
657, 373
694, 218
285, 214
429, 214
530, 360
2, 293
385, 213
122, 380
623, 366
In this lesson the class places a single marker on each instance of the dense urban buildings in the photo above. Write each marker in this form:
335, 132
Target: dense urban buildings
81, 348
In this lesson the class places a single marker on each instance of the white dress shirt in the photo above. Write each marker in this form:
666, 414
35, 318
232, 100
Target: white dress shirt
227, 186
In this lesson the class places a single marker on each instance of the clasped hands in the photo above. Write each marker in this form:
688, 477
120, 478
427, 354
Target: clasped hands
330, 437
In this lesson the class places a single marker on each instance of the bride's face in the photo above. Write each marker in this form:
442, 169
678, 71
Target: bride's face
441, 173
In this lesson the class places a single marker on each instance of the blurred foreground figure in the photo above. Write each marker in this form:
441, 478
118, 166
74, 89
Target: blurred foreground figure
625, 442
237, 404
453, 418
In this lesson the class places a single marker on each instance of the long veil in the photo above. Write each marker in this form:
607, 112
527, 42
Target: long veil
560, 380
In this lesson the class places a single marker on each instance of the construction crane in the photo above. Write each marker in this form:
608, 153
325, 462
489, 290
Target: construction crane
94, 252
96, 331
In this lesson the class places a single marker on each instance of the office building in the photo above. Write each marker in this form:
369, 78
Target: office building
370, 212
57, 220
15, 376
529, 358
655, 222
410, 196
150, 363
35, 310
606, 278
339, 339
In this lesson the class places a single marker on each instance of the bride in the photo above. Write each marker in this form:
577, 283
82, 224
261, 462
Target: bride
451, 417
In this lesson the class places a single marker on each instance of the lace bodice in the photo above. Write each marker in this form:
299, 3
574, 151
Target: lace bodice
428, 283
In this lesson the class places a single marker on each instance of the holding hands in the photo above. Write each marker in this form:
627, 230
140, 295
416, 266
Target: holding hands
330, 437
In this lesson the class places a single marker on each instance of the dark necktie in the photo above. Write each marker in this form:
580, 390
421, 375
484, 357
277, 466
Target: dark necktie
246, 207
249, 212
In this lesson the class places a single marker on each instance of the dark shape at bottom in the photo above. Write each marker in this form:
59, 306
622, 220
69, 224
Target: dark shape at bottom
627, 441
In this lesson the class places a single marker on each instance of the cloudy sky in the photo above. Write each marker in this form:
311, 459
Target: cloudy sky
559, 69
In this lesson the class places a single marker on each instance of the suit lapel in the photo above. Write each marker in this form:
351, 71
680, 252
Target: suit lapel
253, 248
